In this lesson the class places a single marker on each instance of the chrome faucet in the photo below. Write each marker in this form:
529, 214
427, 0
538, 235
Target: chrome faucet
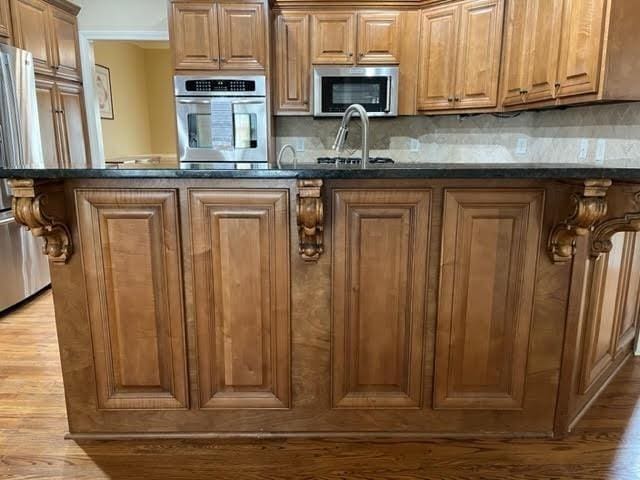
281, 155
341, 137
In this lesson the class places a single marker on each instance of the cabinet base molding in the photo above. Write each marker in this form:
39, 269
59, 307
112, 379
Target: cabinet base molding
29, 210
310, 215
590, 206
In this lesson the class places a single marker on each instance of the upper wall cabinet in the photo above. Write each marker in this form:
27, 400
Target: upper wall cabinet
293, 77
460, 56
5, 20
333, 38
226, 36
366, 38
50, 34
563, 52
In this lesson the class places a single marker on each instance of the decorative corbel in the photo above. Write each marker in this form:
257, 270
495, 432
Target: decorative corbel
310, 214
28, 210
603, 232
590, 206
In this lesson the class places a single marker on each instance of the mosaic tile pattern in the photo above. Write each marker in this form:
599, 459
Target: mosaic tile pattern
553, 136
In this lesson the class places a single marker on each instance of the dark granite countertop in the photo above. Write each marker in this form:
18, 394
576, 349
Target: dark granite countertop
397, 171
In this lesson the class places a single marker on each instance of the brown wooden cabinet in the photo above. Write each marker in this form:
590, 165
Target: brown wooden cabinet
293, 72
5, 19
489, 261
460, 48
227, 36
136, 314
378, 38
240, 245
50, 34
333, 39
242, 39
62, 123
379, 284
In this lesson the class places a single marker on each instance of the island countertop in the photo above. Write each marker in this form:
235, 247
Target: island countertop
541, 171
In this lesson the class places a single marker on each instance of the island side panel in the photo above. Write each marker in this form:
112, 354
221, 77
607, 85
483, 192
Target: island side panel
310, 409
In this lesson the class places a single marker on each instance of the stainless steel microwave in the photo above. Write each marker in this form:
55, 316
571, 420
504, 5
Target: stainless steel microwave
375, 88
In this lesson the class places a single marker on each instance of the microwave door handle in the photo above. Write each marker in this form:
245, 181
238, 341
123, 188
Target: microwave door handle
389, 82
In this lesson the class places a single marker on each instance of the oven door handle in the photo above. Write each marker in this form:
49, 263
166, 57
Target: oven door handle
194, 102
248, 102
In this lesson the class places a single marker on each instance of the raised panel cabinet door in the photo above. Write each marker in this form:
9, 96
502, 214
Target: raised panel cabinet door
379, 38
437, 63
490, 248
66, 48
605, 306
629, 319
242, 36
130, 250
380, 251
73, 121
240, 258
544, 20
333, 38
32, 32
292, 64
49, 117
581, 47
516, 53
479, 50
5, 19
194, 31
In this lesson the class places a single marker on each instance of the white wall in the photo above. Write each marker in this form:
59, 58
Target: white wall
117, 16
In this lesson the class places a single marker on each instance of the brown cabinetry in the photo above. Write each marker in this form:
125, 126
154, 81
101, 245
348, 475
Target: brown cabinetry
563, 52
293, 72
5, 20
225, 36
459, 60
62, 119
50, 34
378, 38
333, 39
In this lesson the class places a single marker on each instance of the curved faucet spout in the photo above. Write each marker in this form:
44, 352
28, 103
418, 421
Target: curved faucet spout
341, 137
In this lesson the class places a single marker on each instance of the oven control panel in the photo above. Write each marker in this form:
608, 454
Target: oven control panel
221, 85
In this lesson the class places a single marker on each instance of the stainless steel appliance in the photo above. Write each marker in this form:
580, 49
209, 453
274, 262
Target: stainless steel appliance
336, 88
24, 268
222, 121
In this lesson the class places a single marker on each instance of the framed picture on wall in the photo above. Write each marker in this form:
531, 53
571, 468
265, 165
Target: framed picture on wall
103, 91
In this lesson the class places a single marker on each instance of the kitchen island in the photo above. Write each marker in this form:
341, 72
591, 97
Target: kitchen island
434, 300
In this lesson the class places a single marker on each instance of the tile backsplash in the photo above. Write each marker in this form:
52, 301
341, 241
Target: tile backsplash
594, 135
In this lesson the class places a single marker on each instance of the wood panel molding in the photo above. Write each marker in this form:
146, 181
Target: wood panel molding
490, 245
240, 257
130, 246
310, 215
29, 210
603, 232
380, 255
590, 206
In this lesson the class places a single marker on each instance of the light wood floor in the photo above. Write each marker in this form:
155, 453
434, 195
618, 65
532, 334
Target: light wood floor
32, 425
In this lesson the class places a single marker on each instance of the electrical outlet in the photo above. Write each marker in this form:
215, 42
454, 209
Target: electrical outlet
300, 145
522, 146
415, 145
583, 152
601, 151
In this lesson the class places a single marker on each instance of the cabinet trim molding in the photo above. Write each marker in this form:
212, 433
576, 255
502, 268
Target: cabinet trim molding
29, 210
590, 206
310, 215
603, 232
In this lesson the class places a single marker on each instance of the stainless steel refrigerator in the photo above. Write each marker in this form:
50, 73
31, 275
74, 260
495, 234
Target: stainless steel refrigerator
24, 270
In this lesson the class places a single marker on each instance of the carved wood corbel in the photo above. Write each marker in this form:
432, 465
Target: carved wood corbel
603, 232
310, 214
29, 210
590, 206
